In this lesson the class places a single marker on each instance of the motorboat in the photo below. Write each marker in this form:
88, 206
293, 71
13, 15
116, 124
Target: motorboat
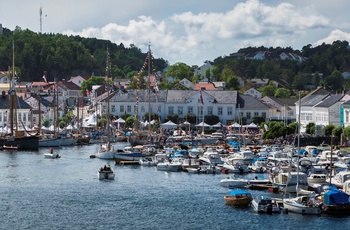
235, 165
339, 179
169, 166
288, 181
336, 201
246, 155
238, 198
209, 169
52, 155
106, 173
303, 205
124, 155
233, 182
147, 161
265, 205
258, 165
211, 157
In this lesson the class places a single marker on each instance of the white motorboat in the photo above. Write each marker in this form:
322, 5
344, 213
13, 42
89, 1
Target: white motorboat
303, 205
233, 182
339, 179
211, 157
235, 165
147, 161
52, 155
121, 155
288, 181
106, 173
169, 166
265, 205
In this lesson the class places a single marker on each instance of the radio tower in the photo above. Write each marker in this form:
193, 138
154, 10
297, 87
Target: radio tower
41, 20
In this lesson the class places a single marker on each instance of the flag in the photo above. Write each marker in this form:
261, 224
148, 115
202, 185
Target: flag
201, 97
44, 77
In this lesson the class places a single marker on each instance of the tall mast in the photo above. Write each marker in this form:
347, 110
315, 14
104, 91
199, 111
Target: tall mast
41, 21
149, 88
107, 113
55, 106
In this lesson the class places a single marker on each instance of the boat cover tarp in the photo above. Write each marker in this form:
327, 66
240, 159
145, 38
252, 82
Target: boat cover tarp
334, 196
238, 192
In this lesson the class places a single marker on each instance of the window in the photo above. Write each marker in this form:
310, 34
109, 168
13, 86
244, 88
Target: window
190, 110
180, 110
248, 115
122, 108
305, 116
256, 114
229, 111
128, 109
321, 117
210, 110
263, 114
113, 108
171, 110
0, 117
219, 111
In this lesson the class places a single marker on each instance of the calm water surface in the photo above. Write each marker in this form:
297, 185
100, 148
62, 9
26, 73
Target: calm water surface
38, 193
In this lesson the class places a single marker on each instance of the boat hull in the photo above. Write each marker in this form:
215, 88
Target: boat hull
238, 201
292, 206
54, 142
106, 175
169, 167
133, 156
52, 156
22, 143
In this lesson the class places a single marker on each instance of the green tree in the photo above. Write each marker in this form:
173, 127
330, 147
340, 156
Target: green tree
337, 131
179, 71
216, 73
87, 84
334, 81
329, 130
208, 74
299, 81
310, 128
129, 122
346, 132
282, 93
268, 90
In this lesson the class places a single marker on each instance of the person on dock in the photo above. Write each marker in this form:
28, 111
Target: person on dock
51, 150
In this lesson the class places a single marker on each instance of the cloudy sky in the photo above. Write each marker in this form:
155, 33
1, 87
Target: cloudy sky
188, 31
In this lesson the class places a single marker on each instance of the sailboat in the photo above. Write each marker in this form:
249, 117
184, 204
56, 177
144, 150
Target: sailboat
107, 151
306, 204
19, 140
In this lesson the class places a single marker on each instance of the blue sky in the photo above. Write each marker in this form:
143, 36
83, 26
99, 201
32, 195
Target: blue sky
190, 31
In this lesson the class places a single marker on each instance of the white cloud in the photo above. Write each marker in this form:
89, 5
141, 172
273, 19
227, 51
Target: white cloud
335, 35
194, 38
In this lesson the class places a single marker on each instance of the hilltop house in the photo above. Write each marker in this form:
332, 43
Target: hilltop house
253, 92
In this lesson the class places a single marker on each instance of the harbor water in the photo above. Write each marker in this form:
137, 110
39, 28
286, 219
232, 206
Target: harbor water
65, 193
